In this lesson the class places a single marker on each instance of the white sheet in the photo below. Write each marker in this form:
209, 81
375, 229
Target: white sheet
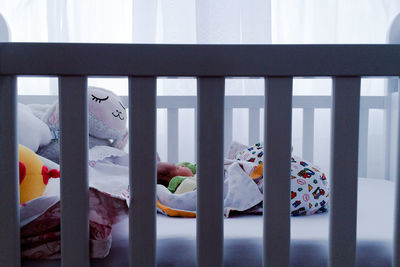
243, 235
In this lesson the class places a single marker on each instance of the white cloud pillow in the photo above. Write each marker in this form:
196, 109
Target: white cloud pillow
32, 132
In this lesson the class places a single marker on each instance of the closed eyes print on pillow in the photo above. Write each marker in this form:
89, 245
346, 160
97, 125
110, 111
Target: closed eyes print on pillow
106, 107
96, 99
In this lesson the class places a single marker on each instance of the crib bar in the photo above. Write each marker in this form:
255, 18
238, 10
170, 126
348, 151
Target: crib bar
344, 162
195, 132
308, 134
254, 125
9, 189
228, 119
142, 171
396, 238
172, 132
74, 171
277, 136
363, 143
210, 139
198, 60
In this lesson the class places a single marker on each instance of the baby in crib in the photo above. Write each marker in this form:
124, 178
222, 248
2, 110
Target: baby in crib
309, 191
166, 171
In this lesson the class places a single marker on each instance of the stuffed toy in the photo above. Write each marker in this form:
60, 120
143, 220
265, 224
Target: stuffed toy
181, 184
32, 132
106, 118
33, 175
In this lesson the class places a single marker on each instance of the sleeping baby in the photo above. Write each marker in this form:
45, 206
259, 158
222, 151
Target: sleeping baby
309, 191
167, 171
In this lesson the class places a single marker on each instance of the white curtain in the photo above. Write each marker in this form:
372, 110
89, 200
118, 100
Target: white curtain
204, 22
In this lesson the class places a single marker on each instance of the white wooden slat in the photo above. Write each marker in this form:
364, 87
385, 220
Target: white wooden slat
344, 162
74, 171
388, 116
254, 125
228, 120
142, 171
393, 157
210, 140
195, 133
391, 86
308, 134
363, 142
172, 133
9, 179
277, 150
396, 238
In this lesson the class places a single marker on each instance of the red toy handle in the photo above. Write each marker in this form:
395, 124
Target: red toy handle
49, 174
22, 172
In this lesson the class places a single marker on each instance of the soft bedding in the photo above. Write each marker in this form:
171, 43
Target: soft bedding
243, 186
109, 200
176, 244
40, 238
243, 236
40, 217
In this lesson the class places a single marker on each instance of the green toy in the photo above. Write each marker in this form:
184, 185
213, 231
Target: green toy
175, 182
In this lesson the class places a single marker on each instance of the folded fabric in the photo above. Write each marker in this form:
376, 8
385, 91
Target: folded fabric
40, 217
240, 193
243, 186
252, 154
174, 212
309, 187
40, 238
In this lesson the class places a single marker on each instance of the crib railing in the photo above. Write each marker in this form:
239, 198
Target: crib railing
255, 105
72, 63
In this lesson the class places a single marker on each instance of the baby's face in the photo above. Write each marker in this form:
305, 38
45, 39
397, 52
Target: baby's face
166, 171
183, 171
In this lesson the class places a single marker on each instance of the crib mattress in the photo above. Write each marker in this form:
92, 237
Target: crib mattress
176, 244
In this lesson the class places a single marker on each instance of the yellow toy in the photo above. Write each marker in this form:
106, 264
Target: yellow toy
33, 175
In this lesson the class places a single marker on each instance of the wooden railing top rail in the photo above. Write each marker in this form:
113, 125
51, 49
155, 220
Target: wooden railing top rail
198, 60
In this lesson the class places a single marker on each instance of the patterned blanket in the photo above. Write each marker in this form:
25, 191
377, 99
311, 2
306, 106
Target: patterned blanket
40, 232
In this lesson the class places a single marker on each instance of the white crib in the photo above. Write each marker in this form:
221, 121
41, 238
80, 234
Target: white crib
72, 63
210, 64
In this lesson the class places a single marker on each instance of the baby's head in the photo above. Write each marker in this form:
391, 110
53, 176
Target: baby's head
167, 171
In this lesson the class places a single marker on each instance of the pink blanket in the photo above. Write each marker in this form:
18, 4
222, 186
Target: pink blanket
41, 237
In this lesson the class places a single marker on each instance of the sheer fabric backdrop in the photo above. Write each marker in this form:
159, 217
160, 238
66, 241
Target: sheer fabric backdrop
205, 22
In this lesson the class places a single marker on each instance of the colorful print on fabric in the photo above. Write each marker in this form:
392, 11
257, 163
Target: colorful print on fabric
252, 154
312, 188
309, 193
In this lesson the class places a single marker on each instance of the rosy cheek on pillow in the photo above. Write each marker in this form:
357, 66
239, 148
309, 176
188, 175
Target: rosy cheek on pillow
183, 171
110, 112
